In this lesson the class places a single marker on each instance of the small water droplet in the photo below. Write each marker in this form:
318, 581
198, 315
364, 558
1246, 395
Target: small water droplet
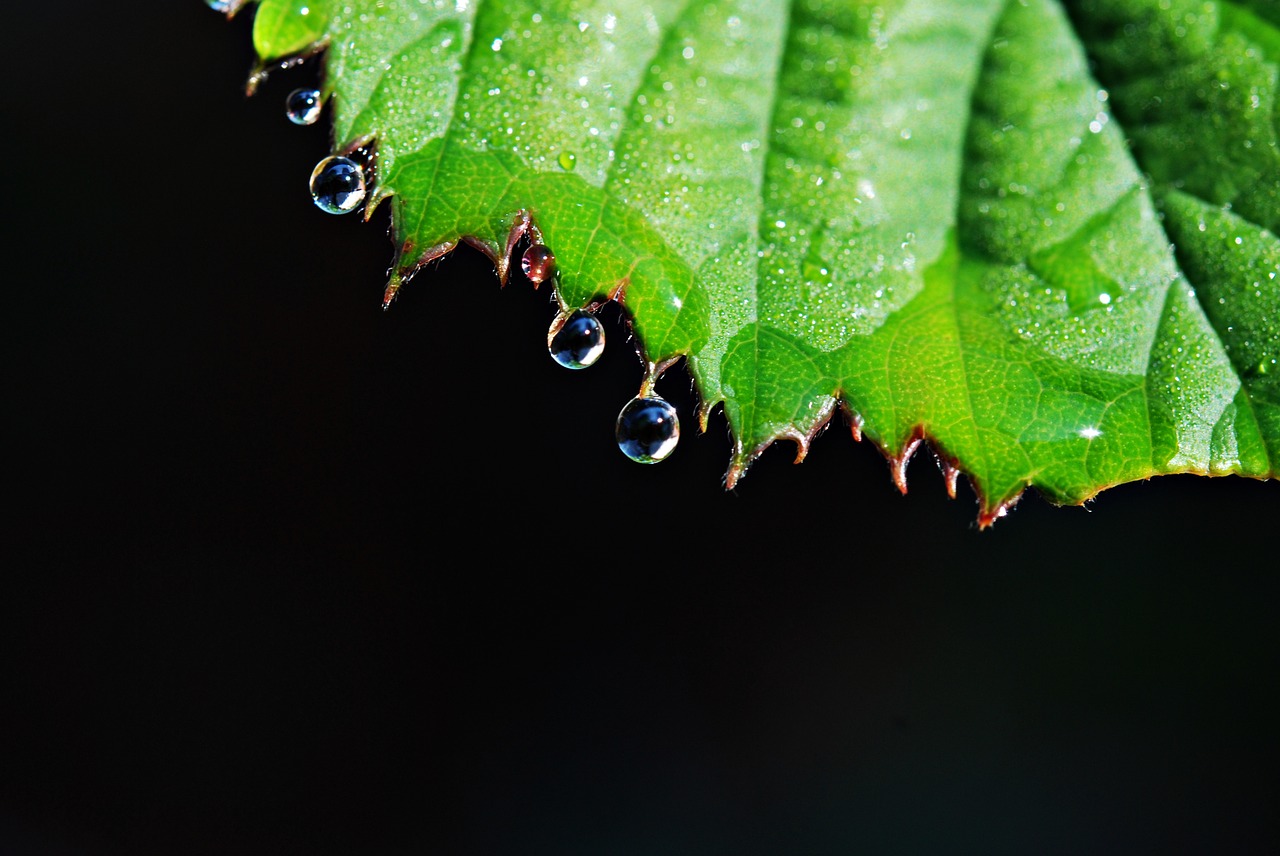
303, 106
219, 5
648, 430
567, 161
538, 264
337, 185
578, 342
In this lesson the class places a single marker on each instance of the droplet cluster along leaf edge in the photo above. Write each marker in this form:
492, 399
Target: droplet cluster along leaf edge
899, 443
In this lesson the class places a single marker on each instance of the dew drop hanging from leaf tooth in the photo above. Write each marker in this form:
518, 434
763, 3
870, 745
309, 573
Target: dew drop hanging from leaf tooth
337, 185
576, 341
303, 106
538, 264
648, 429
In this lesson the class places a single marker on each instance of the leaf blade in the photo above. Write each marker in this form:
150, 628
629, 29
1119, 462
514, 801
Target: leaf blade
929, 215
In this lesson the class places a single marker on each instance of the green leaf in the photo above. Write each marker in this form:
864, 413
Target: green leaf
1037, 235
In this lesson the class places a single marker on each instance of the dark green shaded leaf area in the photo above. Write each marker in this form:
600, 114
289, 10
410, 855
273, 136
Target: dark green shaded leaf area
1037, 237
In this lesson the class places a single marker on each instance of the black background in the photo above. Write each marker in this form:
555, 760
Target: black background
288, 574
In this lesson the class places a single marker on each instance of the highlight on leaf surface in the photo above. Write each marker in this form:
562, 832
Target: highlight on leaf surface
1037, 236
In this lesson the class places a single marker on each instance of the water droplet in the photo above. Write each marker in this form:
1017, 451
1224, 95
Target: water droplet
648, 430
337, 185
303, 106
219, 5
567, 161
577, 342
538, 264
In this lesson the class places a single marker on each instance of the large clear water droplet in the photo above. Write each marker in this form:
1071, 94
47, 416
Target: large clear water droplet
648, 430
303, 106
538, 264
337, 185
578, 342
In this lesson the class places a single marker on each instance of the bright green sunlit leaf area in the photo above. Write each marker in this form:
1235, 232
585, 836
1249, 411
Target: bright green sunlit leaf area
1038, 236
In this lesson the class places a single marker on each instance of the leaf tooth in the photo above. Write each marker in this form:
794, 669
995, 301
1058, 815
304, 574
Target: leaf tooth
262, 70
898, 463
402, 272
950, 473
988, 512
739, 461
853, 419
987, 516
489, 250
800, 439
378, 194
732, 475
705, 407
619, 292
392, 290
820, 423
523, 229
804, 440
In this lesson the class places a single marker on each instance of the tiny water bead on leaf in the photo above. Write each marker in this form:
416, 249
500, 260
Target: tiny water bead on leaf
337, 185
303, 106
538, 264
648, 430
578, 342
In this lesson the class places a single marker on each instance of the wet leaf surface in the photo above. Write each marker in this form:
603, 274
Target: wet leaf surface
1036, 238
